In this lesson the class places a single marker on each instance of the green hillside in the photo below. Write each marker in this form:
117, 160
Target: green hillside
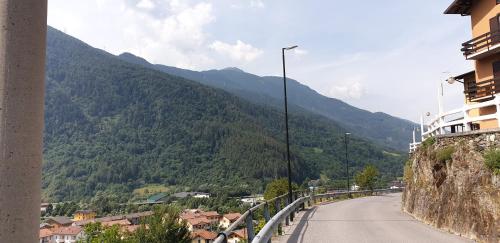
114, 126
378, 127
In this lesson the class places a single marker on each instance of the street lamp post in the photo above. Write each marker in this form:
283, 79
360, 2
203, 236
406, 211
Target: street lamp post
290, 195
347, 163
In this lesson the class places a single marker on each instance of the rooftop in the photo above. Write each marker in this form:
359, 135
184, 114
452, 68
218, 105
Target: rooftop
45, 233
204, 234
60, 220
71, 230
198, 221
462, 7
120, 222
232, 216
241, 233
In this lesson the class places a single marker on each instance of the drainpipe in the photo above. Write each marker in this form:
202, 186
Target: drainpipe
22, 73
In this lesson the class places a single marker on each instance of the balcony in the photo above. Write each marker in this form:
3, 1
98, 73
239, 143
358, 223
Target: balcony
482, 91
482, 46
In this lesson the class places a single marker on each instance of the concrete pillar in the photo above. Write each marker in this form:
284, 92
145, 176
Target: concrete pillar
23, 29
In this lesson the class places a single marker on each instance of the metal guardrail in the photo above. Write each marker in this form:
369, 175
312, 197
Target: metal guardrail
247, 217
282, 215
267, 231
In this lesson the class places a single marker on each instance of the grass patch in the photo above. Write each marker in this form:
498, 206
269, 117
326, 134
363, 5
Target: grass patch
428, 142
408, 172
444, 154
492, 160
150, 189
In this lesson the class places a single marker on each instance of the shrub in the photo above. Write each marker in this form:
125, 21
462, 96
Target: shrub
428, 142
444, 154
492, 160
408, 172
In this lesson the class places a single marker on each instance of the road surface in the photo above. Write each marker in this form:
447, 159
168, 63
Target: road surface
363, 220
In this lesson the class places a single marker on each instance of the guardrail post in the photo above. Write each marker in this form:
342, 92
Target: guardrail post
249, 222
277, 205
287, 219
267, 215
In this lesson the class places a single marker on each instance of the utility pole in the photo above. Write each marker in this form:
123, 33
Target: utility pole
347, 164
290, 192
22, 74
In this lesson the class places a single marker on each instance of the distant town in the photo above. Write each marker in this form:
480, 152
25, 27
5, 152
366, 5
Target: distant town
203, 225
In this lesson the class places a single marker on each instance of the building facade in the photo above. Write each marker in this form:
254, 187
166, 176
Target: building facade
482, 84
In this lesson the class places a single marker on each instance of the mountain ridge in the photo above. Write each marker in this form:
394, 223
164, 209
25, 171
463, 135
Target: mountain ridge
112, 126
377, 126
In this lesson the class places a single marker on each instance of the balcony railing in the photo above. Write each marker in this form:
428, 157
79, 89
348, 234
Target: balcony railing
481, 44
480, 91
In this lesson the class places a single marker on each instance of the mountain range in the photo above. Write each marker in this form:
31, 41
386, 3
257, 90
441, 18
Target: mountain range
378, 127
113, 125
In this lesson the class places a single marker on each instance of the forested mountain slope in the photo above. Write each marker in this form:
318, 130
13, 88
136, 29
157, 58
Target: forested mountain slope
113, 126
379, 127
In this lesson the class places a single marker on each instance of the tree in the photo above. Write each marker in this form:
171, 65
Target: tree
163, 226
277, 188
367, 178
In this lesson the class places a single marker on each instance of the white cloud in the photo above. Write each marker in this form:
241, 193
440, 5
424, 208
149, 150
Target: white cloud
146, 4
170, 32
352, 89
239, 51
300, 52
257, 4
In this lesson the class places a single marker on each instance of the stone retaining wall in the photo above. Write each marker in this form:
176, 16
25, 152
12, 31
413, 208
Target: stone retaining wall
460, 194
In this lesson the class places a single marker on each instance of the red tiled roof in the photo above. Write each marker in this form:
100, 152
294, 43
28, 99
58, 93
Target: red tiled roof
188, 215
204, 234
198, 221
210, 214
45, 233
116, 222
241, 233
232, 216
71, 230
60, 220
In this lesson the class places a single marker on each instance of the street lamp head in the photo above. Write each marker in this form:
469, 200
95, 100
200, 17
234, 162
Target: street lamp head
451, 80
290, 48
347, 133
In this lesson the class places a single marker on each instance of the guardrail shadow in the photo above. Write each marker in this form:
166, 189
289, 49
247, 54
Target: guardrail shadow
302, 226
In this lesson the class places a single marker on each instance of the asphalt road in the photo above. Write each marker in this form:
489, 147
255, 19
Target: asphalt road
369, 219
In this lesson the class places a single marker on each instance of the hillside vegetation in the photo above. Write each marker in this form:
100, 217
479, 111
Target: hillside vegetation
378, 127
113, 126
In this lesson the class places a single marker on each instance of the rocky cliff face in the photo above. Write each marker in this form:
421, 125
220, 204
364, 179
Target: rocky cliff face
449, 186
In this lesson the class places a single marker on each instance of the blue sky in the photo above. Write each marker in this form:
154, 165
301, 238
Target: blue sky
386, 55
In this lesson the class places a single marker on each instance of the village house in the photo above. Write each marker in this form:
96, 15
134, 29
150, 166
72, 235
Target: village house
44, 206
228, 219
67, 234
45, 236
59, 221
237, 236
481, 109
203, 236
198, 219
84, 215
201, 223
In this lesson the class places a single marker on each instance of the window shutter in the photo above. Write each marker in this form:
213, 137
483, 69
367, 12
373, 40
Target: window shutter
494, 24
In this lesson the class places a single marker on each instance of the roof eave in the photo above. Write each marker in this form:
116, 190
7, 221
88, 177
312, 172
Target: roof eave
462, 7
